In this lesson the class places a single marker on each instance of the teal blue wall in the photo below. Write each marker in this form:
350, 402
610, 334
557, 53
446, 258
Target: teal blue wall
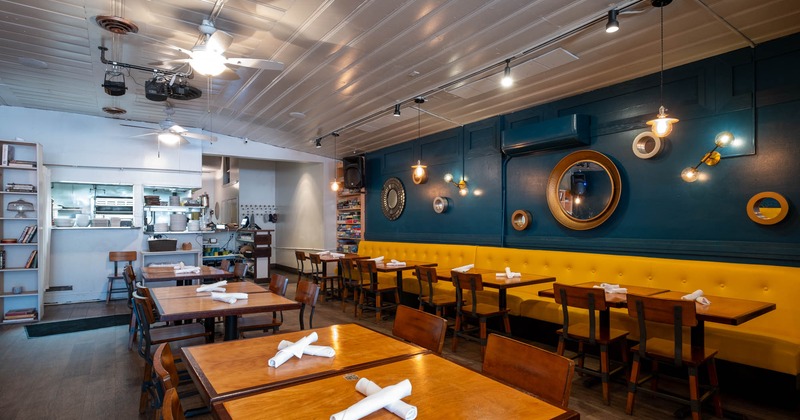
659, 214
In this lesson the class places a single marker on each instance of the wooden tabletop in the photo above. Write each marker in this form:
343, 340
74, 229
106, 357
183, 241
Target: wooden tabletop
167, 273
491, 280
410, 265
235, 368
725, 310
614, 300
171, 309
440, 389
180, 292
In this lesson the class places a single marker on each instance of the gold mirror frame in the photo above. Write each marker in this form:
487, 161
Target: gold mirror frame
754, 211
521, 219
558, 172
393, 198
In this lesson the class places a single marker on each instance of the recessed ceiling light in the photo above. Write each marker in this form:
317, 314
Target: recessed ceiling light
32, 62
298, 115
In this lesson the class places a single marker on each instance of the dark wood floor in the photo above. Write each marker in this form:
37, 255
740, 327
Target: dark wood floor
92, 375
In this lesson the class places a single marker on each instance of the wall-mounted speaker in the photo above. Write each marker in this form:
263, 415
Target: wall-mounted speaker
353, 167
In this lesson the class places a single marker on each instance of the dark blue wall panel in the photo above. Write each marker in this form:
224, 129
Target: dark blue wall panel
659, 214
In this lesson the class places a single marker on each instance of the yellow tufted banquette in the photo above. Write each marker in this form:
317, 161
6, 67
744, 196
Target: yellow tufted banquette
771, 341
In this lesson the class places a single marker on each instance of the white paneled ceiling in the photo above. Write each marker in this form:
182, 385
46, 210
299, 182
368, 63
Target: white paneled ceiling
347, 62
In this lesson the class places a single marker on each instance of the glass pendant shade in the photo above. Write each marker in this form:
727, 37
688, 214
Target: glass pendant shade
661, 126
689, 174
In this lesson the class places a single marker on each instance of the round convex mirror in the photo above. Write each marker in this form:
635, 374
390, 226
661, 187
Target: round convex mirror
393, 198
767, 208
583, 190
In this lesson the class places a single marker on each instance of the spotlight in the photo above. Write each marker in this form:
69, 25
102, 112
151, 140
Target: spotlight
396, 110
507, 81
612, 25
156, 89
114, 83
318, 143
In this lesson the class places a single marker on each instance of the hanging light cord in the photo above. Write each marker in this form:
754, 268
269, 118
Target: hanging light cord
662, 55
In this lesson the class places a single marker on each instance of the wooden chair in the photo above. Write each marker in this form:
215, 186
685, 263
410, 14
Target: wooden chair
277, 285
427, 277
130, 279
172, 406
349, 280
239, 271
225, 265
149, 337
166, 376
678, 313
544, 374
480, 312
330, 283
116, 257
307, 294
300, 257
421, 328
592, 300
369, 290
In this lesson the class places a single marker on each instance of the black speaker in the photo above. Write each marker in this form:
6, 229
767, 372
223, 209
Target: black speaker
353, 171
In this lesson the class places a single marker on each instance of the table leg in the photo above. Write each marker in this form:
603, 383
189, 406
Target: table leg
231, 327
208, 323
502, 298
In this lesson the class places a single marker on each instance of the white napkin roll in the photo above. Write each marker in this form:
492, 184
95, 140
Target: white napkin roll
324, 253
611, 288
217, 289
375, 402
697, 296
212, 286
399, 408
228, 297
224, 299
463, 268
508, 274
377, 259
395, 263
311, 350
187, 270
336, 255
295, 349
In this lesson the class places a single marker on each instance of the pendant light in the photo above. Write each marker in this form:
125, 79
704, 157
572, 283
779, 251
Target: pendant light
419, 176
335, 183
662, 124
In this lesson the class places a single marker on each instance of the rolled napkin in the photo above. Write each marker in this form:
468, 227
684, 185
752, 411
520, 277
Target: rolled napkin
322, 253
295, 349
375, 402
611, 288
377, 259
395, 263
187, 269
697, 296
212, 287
463, 268
311, 350
508, 274
336, 255
228, 297
399, 408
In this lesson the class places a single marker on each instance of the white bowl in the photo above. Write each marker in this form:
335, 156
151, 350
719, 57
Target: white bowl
63, 221
82, 220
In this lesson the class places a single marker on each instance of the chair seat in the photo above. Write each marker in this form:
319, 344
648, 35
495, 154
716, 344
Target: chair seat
662, 349
483, 310
176, 332
439, 300
581, 332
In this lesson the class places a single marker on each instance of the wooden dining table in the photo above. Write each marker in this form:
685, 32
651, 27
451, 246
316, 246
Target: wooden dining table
439, 389
177, 303
166, 273
235, 368
502, 284
384, 267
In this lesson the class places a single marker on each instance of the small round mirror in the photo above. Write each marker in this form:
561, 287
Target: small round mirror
440, 205
583, 190
521, 219
767, 208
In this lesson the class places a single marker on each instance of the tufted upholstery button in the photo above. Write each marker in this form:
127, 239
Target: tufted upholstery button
722, 285
766, 289
683, 281
594, 271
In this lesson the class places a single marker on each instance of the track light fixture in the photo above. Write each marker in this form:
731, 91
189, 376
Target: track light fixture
396, 110
318, 143
691, 174
507, 81
612, 25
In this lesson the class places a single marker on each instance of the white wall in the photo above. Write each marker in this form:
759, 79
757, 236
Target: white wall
80, 148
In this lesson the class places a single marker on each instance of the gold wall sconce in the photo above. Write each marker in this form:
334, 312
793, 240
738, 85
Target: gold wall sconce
461, 185
691, 174
419, 176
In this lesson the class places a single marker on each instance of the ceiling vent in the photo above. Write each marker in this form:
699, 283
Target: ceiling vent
116, 24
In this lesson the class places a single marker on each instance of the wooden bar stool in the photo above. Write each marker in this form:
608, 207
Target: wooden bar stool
117, 257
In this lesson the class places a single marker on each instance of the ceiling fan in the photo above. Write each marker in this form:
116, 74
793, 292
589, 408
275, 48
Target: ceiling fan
169, 132
207, 57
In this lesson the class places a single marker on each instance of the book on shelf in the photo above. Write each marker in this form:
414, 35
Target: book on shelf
8, 154
13, 163
21, 311
24, 316
32, 259
27, 234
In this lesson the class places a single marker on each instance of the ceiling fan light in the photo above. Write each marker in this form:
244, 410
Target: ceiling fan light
169, 138
206, 62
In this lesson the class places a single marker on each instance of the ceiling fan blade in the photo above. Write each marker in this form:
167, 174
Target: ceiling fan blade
198, 136
219, 41
170, 63
256, 63
136, 126
146, 134
175, 128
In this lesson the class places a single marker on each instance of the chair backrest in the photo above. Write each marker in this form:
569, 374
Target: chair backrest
144, 317
467, 281
171, 407
119, 256
239, 270
316, 263
225, 265
278, 284
300, 256
592, 299
129, 275
368, 273
306, 294
426, 277
164, 367
679, 313
539, 372
419, 327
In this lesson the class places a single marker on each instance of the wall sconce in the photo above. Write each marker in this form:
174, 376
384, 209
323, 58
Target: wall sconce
711, 158
461, 185
419, 176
